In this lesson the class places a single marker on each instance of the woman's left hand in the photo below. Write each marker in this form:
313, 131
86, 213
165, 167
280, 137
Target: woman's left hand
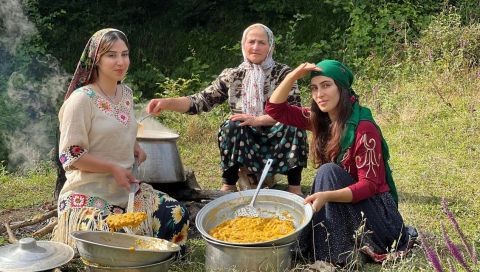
317, 200
245, 119
139, 154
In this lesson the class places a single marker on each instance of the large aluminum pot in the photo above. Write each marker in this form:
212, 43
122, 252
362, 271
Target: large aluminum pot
269, 203
222, 257
163, 164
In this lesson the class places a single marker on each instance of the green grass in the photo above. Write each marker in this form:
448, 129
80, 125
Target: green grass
434, 154
28, 189
434, 139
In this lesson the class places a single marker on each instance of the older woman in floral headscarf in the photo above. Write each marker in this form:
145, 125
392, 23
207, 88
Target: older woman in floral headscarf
98, 148
249, 137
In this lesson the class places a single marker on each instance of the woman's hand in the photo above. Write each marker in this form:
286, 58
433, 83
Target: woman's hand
303, 69
139, 153
244, 119
123, 177
178, 104
254, 121
280, 95
317, 200
155, 106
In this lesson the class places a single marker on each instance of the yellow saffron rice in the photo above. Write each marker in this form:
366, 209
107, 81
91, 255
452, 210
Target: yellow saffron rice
129, 219
252, 229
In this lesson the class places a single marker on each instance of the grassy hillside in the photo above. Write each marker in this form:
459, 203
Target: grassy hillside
425, 98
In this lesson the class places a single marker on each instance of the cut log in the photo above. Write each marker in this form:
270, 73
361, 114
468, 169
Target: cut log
47, 229
32, 221
11, 237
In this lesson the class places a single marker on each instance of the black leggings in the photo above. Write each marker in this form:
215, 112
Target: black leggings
230, 176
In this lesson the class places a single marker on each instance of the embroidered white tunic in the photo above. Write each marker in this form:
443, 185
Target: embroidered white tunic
91, 123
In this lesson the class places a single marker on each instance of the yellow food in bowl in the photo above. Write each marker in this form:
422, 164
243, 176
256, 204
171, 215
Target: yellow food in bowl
252, 229
129, 219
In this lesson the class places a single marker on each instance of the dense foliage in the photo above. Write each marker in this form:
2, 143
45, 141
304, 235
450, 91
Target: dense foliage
417, 66
178, 46
167, 36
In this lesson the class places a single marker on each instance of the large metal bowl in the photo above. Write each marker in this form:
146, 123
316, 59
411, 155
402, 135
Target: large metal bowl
156, 267
269, 203
115, 249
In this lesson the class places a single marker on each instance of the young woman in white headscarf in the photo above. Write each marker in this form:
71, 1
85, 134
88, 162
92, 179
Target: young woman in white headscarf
249, 137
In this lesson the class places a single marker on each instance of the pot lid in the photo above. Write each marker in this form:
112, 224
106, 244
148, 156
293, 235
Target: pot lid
148, 134
31, 255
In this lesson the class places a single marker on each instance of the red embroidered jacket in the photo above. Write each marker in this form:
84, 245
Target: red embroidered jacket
363, 160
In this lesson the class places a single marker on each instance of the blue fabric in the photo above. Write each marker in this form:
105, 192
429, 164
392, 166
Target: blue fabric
330, 234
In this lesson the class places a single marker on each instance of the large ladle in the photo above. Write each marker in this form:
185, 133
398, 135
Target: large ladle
250, 210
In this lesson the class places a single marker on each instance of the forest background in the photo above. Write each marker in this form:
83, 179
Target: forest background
417, 65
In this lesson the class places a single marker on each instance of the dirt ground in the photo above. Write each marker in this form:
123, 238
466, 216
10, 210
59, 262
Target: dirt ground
13, 216
75, 265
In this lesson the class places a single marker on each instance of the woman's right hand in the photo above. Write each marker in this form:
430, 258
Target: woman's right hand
281, 93
317, 200
123, 177
303, 70
178, 104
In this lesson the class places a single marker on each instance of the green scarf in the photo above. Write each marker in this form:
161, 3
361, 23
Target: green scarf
344, 77
360, 113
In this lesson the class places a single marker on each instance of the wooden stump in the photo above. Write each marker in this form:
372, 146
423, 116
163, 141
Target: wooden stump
248, 180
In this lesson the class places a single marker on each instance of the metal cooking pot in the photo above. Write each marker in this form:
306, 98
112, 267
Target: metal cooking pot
223, 257
269, 203
163, 164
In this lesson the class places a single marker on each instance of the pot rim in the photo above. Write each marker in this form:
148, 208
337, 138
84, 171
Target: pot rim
231, 197
248, 247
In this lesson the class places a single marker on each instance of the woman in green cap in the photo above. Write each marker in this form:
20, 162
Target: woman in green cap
353, 185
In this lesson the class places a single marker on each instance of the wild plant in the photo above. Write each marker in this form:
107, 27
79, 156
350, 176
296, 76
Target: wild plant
457, 256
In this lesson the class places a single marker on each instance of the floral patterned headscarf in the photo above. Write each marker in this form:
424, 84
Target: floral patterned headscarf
83, 73
255, 74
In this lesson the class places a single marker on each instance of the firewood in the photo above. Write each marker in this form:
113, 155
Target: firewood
49, 206
32, 221
11, 237
47, 229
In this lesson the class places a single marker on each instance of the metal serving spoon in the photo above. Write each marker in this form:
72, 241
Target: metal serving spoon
144, 117
250, 210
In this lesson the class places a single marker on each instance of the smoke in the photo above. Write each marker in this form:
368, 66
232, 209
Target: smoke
15, 25
34, 86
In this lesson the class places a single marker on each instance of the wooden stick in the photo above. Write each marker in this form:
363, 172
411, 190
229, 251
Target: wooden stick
11, 237
32, 221
49, 206
47, 229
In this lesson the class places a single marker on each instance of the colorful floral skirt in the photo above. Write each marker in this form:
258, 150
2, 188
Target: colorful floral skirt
166, 217
251, 147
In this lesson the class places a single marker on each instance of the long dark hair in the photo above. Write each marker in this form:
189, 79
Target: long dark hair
326, 135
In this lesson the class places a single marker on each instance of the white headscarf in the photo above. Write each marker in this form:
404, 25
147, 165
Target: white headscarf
254, 80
